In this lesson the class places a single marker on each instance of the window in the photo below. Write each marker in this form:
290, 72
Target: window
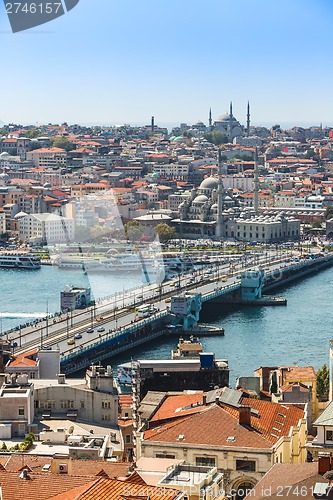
106, 404
106, 417
165, 455
329, 435
21, 412
246, 465
82, 403
206, 461
128, 439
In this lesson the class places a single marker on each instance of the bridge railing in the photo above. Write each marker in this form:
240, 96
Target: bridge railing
125, 331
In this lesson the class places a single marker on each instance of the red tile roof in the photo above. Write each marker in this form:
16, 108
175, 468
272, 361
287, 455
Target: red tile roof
38, 486
25, 359
104, 489
201, 429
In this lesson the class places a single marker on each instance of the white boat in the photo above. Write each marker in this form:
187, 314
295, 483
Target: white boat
19, 261
123, 262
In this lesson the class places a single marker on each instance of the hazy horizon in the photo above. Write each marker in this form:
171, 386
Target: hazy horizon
121, 62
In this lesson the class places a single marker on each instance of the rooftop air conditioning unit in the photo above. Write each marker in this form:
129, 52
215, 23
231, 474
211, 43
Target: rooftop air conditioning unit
63, 468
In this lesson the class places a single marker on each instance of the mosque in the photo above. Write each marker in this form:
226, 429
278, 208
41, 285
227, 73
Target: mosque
228, 125
212, 212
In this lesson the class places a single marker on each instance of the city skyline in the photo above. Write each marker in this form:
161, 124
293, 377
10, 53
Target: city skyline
123, 63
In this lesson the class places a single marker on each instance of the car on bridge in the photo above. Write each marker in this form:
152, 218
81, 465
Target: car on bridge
78, 336
90, 330
101, 329
70, 341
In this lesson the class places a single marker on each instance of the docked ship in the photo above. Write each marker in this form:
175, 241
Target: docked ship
124, 262
19, 261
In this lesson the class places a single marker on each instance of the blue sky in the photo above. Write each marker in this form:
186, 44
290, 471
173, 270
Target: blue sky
122, 61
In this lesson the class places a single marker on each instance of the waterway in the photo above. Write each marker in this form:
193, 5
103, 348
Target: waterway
27, 294
298, 333
254, 336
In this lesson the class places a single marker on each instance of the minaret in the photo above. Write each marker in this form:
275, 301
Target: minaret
219, 219
210, 118
248, 119
230, 122
152, 124
256, 184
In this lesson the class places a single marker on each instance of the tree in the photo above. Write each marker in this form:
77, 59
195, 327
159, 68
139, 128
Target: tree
329, 212
133, 230
165, 232
323, 377
3, 131
63, 143
216, 138
316, 224
33, 133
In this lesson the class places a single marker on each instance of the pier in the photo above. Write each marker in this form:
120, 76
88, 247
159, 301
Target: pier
120, 328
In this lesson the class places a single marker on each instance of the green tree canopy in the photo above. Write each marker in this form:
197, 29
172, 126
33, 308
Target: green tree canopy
165, 232
216, 137
133, 230
329, 212
63, 143
3, 131
323, 377
33, 133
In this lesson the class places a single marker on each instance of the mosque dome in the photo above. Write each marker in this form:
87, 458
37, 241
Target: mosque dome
19, 215
215, 206
4, 154
200, 199
209, 183
225, 118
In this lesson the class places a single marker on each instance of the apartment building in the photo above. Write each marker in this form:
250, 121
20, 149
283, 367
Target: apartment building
46, 228
48, 157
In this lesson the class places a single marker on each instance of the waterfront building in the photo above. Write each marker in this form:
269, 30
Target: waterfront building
263, 229
46, 228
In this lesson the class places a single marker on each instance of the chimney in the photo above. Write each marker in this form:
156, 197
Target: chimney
204, 399
61, 378
324, 463
245, 415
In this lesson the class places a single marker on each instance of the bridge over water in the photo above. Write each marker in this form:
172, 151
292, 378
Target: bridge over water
122, 329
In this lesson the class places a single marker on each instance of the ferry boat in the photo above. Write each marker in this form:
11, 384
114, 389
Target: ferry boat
19, 261
123, 262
